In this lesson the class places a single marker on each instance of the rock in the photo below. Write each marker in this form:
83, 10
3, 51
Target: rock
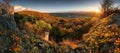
7, 16
116, 19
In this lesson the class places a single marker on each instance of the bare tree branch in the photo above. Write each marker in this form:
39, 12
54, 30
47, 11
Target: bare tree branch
107, 7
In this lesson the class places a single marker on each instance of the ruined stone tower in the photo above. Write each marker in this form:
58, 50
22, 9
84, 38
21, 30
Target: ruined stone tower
46, 37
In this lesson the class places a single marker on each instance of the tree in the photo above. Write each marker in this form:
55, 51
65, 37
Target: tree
41, 26
107, 7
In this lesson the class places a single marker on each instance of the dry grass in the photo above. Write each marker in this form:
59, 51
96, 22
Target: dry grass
72, 44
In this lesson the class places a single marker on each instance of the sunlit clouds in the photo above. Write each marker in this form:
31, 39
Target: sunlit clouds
20, 8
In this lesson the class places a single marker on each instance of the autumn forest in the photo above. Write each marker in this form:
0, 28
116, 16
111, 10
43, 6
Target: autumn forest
30, 31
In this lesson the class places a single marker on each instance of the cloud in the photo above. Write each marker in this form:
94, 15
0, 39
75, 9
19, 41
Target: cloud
20, 8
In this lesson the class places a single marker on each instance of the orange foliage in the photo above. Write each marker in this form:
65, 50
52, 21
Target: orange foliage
18, 48
29, 26
107, 35
16, 37
15, 47
117, 42
70, 30
72, 44
26, 36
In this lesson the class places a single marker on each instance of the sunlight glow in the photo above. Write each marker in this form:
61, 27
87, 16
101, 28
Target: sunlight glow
20, 8
89, 9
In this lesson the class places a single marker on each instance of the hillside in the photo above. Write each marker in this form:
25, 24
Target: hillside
85, 35
69, 26
37, 14
104, 36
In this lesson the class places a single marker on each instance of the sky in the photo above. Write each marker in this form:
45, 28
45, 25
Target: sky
57, 5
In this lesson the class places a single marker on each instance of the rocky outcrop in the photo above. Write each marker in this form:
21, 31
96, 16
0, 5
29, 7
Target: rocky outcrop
116, 19
7, 26
7, 17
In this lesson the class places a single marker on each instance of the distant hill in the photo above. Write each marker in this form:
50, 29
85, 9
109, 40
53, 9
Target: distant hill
60, 14
75, 14
37, 14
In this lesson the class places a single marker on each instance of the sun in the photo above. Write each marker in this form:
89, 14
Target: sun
92, 9
97, 10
